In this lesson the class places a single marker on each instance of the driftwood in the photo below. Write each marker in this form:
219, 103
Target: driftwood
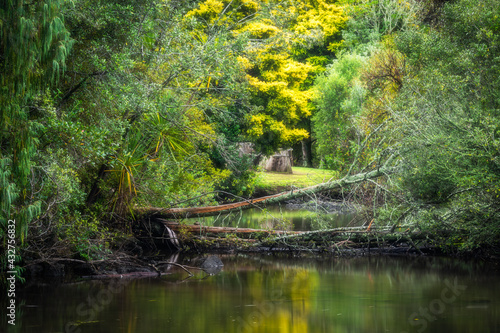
177, 213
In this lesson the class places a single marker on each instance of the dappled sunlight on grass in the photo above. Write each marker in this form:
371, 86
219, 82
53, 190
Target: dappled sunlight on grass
301, 177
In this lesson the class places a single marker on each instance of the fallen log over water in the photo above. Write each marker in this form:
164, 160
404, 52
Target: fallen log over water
177, 213
197, 237
356, 237
200, 229
336, 242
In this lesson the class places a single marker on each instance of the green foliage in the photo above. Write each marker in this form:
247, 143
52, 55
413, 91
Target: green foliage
370, 20
429, 179
34, 45
166, 80
240, 181
87, 238
149, 105
448, 114
128, 122
61, 191
425, 91
339, 99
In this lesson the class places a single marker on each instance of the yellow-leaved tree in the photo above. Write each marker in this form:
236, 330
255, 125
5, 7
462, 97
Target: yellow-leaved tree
289, 45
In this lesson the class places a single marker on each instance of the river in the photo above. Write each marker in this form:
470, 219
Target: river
284, 217
272, 293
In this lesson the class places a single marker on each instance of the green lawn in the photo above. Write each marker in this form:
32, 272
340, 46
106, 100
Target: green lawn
301, 177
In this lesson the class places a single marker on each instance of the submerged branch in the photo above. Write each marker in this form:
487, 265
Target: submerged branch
178, 265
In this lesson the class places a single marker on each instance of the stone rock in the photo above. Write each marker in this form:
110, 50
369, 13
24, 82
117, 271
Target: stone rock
212, 265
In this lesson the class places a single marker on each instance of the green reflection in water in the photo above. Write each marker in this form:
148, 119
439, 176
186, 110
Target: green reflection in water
277, 217
269, 294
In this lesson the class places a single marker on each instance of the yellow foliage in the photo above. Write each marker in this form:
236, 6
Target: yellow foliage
280, 89
208, 10
289, 104
260, 30
279, 83
268, 61
296, 73
321, 16
245, 63
271, 88
262, 123
248, 7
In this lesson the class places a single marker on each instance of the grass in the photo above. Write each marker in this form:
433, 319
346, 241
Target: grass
301, 177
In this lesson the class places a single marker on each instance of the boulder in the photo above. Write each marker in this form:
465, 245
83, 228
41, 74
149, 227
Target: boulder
212, 265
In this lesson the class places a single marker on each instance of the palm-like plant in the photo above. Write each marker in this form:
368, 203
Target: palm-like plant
160, 139
126, 166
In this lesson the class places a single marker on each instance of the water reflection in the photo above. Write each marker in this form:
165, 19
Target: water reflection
280, 218
272, 294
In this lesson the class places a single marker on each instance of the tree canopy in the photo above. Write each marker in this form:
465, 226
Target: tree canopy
110, 105
418, 80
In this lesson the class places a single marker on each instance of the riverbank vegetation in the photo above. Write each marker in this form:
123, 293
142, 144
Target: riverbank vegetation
107, 106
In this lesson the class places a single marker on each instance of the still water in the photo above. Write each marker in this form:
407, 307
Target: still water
277, 294
282, 218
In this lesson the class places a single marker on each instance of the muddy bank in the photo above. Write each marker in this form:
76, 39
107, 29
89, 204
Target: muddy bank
122, 266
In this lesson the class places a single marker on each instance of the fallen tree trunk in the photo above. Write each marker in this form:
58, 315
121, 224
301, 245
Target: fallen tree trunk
199, 229
177, 213
338, 241
197, 238
335, 231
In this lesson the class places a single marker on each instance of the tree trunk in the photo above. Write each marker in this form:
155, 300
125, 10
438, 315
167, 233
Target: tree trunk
95, 190
272, 199
306, 152
280, 162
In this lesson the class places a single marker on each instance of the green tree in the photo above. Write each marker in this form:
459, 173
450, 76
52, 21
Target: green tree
371, 20
145, 104
429, 84
448, 115
132, 120
34, 45
339, 100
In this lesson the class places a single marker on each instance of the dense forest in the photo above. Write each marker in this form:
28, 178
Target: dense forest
108, 105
